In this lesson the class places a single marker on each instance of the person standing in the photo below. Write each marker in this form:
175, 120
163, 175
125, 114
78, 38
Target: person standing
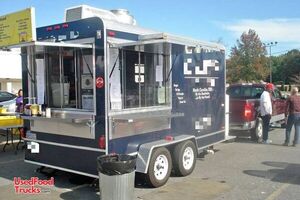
293, 117
19, 101
266, 111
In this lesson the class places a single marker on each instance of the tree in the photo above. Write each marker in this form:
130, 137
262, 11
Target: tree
278, 74
247, 61
291, 66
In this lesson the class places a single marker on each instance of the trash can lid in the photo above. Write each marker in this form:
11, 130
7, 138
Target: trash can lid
116, 164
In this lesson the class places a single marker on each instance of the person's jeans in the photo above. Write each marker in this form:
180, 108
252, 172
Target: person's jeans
288, 128
297, 127
266, 123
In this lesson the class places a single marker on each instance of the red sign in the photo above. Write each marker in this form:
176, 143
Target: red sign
99, 82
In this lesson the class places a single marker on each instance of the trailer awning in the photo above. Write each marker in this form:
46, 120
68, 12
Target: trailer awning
54, 44
171, 39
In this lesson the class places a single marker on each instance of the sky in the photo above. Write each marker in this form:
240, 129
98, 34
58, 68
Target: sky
209, 20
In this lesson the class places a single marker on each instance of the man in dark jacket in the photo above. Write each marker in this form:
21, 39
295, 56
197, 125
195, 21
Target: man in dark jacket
293, 117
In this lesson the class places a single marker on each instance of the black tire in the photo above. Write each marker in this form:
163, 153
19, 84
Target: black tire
160, 166
257, 132
184, 158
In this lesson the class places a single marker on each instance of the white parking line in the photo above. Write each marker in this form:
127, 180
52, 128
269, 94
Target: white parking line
10, 161
69, 189
9, 141
277, 192
78, 187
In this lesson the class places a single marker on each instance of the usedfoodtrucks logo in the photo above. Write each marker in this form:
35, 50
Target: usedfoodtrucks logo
32, 186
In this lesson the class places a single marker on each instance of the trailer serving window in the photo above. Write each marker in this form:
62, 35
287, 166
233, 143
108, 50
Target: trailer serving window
139, 76
61, 76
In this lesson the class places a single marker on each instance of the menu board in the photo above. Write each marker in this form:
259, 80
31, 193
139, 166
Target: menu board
18, 27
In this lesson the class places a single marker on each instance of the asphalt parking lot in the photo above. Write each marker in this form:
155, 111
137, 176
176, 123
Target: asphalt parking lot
237, 170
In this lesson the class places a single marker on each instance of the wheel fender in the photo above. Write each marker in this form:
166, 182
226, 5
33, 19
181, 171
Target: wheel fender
146, 149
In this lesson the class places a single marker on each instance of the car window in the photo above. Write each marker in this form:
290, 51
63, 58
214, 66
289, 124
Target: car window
245, 92
277, 94
257, 91
234, 92
5, 96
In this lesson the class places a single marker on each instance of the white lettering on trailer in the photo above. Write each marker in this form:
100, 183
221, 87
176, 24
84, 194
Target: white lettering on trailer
179, 94
186, 70
202, 93
206, 64
62, 37
198, 71
74, 34
197, 125
212, 82
203, 123
189, 50
34, 147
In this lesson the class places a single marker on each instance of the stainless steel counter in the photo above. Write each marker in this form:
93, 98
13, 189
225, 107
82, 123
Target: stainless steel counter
64, 115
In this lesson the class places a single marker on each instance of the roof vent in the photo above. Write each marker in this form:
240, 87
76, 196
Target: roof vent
84, 11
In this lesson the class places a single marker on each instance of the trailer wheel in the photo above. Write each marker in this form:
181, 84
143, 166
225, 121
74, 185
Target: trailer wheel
160, 166
184, 158
257, 132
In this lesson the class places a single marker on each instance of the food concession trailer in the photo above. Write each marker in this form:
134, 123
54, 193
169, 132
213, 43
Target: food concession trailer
109, 86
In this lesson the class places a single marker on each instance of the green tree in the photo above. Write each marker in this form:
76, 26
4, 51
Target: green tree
291, 66
247, 60
278, 74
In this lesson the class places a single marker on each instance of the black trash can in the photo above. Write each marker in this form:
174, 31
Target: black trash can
116, 176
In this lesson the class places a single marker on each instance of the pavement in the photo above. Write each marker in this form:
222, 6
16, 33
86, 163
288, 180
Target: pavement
237, 170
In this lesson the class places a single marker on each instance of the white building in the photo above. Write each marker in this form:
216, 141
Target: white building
10, 71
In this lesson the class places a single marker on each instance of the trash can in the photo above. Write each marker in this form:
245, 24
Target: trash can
116, 176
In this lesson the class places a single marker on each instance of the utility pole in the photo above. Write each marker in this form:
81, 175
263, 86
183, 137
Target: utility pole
270, 45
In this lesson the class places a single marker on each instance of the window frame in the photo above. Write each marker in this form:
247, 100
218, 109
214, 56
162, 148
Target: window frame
31, 68
166, 62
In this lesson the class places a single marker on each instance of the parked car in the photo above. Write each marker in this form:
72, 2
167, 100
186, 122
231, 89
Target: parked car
244, 109
8, 101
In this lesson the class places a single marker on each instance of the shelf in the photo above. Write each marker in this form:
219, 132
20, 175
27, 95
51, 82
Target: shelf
58, 119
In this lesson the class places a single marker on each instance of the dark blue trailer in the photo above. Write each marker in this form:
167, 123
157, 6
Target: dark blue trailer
112, 87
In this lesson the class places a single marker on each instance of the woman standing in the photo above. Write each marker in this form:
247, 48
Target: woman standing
19, 101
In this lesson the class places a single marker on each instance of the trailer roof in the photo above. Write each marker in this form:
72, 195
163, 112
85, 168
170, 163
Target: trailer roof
114, 22
148, 34
167, 38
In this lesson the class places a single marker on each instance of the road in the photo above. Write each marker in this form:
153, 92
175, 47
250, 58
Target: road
237, 170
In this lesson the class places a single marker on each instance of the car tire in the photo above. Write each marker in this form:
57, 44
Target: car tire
184, 158
257, 133
160, 167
